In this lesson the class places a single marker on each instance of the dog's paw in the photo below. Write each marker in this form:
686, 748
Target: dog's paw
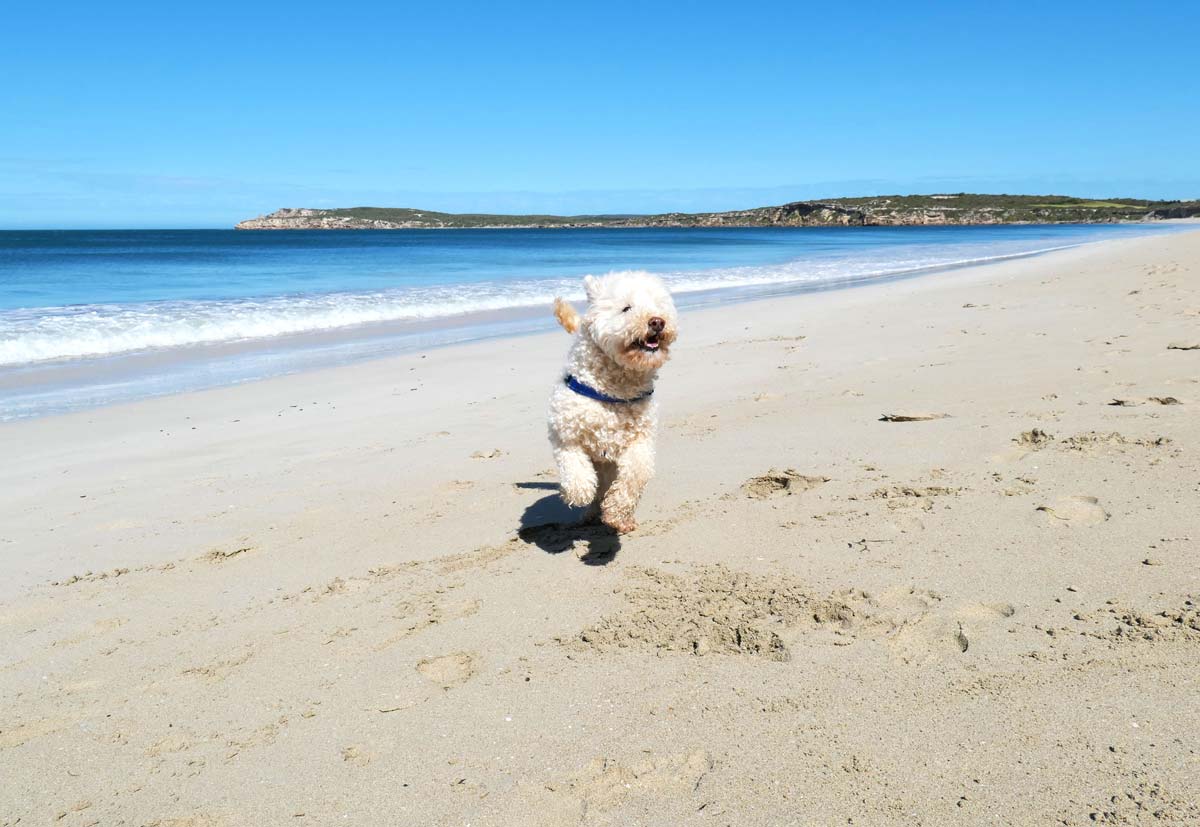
621, 525
577, 495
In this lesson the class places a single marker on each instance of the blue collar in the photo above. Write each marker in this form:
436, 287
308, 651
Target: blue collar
591, 393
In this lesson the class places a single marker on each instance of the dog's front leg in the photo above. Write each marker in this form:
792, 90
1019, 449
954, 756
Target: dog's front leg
576, 475
635, 467
606, 472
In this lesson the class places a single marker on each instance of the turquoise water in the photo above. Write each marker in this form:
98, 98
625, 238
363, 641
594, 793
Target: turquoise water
91, 317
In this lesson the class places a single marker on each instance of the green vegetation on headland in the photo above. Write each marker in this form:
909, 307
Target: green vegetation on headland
882, 210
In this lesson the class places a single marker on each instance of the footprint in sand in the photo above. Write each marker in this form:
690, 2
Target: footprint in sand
357, 755
906, 496
781, 483
495, 453
1034, 439
450, 670
941, 631
1075, 511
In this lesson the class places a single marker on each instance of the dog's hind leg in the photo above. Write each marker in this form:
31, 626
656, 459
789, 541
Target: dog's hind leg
576, 475
635, 468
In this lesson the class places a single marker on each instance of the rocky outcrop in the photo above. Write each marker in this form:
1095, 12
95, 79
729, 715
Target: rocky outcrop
795, 214
306, 219
1183, 210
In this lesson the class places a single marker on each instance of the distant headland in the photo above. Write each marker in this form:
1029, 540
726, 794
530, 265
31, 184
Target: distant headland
884, 210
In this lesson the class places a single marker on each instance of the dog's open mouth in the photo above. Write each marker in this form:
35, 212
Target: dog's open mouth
648, 342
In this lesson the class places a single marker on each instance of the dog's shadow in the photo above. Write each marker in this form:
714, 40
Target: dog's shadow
555, 527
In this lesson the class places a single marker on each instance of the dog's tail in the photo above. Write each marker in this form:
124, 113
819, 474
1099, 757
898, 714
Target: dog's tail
567, 315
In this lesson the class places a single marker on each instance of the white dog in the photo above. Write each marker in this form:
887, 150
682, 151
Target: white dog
602, 415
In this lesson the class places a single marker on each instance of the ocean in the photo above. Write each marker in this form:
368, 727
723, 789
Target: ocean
90, 318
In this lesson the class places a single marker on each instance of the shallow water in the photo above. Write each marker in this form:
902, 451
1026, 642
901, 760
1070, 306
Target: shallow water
92, 317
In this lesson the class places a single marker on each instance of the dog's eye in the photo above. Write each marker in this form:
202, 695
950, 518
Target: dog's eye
626, 308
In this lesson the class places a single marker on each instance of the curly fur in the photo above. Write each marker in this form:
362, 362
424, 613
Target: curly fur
605, 451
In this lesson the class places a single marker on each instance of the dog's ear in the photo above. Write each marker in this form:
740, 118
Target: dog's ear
591, 286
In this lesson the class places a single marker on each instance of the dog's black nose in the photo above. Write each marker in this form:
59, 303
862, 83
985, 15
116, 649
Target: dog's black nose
656, 324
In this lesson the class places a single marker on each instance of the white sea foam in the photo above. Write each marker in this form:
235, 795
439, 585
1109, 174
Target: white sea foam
61, 333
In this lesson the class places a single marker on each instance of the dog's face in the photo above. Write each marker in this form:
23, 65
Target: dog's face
632, 318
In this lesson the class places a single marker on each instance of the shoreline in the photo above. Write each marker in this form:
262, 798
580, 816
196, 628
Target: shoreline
54, 387
345, 595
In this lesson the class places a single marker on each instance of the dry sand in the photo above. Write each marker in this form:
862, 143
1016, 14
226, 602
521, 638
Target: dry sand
306, 600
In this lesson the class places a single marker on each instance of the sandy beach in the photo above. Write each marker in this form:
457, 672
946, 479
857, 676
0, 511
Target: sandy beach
346, 596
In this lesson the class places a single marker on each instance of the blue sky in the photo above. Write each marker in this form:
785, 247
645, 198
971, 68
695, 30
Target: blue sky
165, 115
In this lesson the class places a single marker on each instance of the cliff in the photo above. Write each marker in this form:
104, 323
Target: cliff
889, 210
